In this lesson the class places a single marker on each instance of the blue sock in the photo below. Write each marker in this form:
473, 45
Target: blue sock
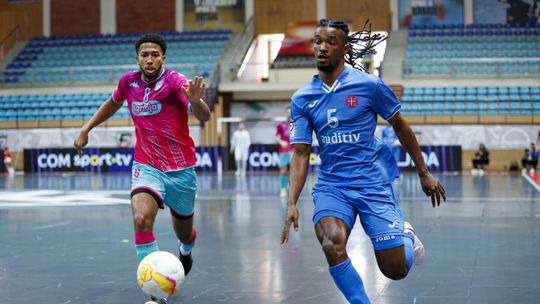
349, 282
283, 181
145, 249
408, 239
185, 249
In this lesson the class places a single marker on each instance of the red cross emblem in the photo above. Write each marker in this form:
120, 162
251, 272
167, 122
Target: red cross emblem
351, 101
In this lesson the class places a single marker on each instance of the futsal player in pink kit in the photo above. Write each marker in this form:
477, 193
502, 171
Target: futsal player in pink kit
282, 137
163, 171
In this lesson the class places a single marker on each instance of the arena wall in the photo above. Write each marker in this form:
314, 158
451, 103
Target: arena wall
75, 17
378, 12
133, 16
274, 16
29, 17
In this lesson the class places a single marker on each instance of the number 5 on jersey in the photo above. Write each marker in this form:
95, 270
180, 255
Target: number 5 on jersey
333, 122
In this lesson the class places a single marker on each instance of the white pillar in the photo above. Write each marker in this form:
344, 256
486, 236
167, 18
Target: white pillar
468, 11
321, 9
394, 15
248, 9
46, 18
179, 15
107, 16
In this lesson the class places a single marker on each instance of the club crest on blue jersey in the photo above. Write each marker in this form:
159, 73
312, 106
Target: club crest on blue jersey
351, 101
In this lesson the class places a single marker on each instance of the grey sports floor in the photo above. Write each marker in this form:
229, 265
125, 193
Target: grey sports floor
69, 239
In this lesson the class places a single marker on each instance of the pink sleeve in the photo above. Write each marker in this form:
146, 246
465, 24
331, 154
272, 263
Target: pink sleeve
179, 81
119, 95
278, 130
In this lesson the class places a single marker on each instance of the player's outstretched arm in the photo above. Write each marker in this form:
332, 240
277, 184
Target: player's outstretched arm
430, 185
194, 95
107, 109
298, 174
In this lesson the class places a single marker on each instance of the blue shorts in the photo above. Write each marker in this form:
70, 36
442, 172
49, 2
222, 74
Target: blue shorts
377, 207
175, 189
284, 159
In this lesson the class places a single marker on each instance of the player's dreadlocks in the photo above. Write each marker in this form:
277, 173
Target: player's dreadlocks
361, 43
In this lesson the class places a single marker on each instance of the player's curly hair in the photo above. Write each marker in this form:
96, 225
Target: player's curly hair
151, 37
361, 43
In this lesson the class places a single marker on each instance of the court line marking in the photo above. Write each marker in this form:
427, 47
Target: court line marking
59, 198
531, 181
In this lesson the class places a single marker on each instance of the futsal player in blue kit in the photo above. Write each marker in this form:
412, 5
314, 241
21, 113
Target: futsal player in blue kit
341, 105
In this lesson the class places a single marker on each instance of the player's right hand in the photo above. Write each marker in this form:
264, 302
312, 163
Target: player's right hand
80, 142
291, 217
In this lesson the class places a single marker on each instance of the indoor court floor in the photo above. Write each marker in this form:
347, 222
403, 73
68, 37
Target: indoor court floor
68, 238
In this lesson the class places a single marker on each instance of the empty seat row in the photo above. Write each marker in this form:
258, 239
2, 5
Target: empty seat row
473, 39
473, 46
495, 70
460, 33
133, 35
469, 90
471, 98
479, 53
473, 26
60, 106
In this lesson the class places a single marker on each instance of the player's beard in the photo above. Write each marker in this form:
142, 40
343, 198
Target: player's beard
151, 77
327, 68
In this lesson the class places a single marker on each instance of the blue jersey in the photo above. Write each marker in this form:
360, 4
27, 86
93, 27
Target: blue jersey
344, 118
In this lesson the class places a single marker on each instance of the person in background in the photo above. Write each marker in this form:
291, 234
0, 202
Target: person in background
529, 162
7, 162
282, 137
240, 143
481, 159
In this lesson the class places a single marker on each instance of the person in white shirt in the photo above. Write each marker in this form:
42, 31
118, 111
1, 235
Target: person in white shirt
240, 146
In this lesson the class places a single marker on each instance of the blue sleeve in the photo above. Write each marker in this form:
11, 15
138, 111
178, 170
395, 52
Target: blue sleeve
384, 101
301, 131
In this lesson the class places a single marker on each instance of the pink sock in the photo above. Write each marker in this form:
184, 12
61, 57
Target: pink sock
142, 238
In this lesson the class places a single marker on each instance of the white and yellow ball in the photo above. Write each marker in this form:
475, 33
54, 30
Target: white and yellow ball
160, 274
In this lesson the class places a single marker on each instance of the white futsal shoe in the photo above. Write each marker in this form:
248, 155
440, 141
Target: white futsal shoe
283, 193
418, 248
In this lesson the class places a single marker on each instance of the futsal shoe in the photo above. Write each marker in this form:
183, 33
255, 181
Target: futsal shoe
418, 248
283, 193
187, 261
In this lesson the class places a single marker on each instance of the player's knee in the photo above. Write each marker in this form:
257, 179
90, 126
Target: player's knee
395, 272
334, 251
142, 222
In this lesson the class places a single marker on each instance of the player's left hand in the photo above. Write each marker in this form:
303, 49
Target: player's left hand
196, 89
290, 218
433, 188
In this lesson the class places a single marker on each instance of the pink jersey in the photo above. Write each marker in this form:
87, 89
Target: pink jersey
284, 134
160, 113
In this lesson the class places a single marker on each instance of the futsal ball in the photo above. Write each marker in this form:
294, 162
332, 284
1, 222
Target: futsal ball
160, 274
